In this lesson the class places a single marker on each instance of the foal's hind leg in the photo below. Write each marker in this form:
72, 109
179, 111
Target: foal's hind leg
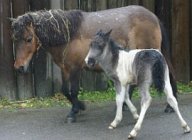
129, 92
173, 103
130, 105
168, 108
145, 103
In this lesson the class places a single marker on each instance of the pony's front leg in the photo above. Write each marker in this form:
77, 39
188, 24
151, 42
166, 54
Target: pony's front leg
74, 90
120, 95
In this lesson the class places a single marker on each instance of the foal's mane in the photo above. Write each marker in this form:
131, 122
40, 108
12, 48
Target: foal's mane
114, 47
53, 27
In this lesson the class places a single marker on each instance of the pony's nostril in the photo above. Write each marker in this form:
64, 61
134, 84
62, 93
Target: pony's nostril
21, 69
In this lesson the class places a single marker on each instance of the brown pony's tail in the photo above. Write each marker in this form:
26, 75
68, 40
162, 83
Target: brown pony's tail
166, 51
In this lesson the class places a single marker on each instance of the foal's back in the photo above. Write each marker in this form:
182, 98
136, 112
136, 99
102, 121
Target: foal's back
140, 65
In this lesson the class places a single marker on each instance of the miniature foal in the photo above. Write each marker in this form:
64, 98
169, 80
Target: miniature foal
142, 67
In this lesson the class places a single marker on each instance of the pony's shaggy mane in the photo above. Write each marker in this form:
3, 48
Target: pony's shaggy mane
53, 27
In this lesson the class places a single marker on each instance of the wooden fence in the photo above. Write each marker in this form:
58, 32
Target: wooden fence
44, 78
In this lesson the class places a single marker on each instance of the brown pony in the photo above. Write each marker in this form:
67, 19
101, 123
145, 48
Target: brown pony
66, 35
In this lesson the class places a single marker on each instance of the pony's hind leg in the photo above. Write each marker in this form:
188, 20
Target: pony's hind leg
173, 103
120, 95
145, 103
132, 108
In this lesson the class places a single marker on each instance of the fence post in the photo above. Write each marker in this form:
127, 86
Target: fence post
149, 4
7, 75
180, 39
101, 5
190, 29
43, 75
90, 80
25, 88
163, 12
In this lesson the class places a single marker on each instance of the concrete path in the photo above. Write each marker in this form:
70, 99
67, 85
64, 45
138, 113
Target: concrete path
49, 124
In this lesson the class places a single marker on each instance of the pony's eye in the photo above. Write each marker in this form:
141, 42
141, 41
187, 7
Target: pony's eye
29, 39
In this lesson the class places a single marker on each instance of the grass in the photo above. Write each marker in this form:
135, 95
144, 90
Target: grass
184, 88
88, 96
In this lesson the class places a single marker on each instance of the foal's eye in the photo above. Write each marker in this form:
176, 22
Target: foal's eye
99, 46
28, 40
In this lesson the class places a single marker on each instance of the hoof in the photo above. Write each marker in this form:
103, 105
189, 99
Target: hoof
131, 137
169, 109
71, 119
187, 129
111, 127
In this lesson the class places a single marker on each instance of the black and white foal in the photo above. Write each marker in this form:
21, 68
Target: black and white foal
143, 67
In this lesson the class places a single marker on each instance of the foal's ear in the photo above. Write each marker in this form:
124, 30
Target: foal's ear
11, 19
107, 34
99, 32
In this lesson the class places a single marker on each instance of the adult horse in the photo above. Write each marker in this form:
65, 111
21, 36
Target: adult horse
66, 36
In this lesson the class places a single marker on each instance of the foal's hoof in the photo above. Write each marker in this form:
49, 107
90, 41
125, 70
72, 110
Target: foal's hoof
71, 119
111, 127
186, 129
131, 137
169, 109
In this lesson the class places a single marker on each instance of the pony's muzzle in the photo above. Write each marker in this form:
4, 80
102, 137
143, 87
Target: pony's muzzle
21, 69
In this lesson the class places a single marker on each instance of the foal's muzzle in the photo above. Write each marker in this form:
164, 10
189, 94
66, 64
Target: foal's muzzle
91, 62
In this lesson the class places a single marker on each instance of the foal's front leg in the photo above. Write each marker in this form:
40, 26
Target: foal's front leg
120, 96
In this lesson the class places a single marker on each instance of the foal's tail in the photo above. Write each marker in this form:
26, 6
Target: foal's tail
158, 74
